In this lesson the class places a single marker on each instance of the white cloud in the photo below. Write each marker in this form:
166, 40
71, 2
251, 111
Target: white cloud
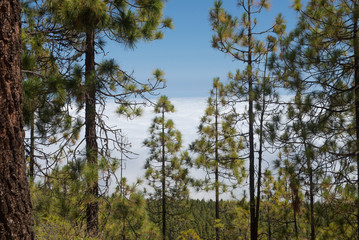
186, 118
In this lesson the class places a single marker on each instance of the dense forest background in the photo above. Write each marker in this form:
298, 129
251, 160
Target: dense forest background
277, 145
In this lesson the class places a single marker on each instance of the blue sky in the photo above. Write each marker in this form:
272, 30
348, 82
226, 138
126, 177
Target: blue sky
185, 54
189, 62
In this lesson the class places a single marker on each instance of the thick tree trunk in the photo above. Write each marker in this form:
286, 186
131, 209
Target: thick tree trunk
90, 133
16, 220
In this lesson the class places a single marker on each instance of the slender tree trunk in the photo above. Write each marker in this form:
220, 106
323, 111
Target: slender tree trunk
217, 201
32, 149
163, 170
122, 190
251, 132
16, 220
260, 152
269, 229
269, 223
90, 133
295, 218
286, 225
217, 160
356, 81
311, 196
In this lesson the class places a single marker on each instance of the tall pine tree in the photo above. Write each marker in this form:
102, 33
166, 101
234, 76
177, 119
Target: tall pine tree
238, 38
165, 169
321, 59
125, 22
217, 148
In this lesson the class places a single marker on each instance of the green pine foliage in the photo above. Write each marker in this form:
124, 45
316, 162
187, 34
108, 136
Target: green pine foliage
217, 149
166, 172
240, 38
46, 95
319, 64
60, 204
76, 25
125, 21
309, 191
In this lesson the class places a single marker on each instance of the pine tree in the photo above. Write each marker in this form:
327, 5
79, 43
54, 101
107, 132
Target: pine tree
237, 38
125, 22
16, 220
189, 235
46, 94
59, 205
165, 169
321, 59
129, 209
282, 203
300, 133
217, 148
308, 162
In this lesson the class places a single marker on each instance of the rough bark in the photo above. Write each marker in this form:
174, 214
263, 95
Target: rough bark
90, 133
16, 220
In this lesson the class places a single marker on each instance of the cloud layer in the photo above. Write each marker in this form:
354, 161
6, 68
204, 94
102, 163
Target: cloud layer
186, 118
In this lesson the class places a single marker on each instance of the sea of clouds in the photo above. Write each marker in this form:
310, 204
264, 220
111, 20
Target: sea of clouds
187, 116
